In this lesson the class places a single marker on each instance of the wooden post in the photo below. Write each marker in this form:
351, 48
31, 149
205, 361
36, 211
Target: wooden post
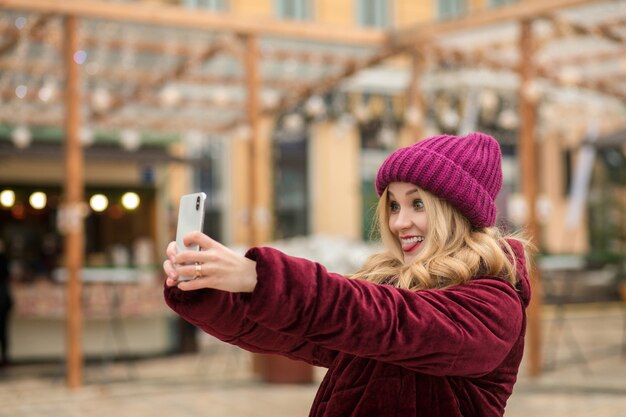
271, 368
73, 208
252, 110
415, 114
529, 187
251, 54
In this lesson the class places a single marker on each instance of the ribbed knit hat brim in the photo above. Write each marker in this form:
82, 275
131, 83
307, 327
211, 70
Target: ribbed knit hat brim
463, 170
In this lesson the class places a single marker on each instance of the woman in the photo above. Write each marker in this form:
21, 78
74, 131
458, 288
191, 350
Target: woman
434, 326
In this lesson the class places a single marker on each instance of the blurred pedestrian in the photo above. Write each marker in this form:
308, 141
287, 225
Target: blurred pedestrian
433, 326
6, 303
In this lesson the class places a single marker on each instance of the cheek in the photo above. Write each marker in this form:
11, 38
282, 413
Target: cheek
422, 222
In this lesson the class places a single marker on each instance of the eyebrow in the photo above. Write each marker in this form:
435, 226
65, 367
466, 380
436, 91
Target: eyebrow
407, 193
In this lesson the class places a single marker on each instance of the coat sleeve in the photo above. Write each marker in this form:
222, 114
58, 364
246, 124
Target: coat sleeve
466, 330
221, 314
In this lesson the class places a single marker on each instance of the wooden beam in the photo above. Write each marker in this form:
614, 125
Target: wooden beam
159, 47
177, 73
325, 84
177, 16
177, 125
527, 153
42, 110
149, 100
404, 40
518, 11
475, 58
144, 79
606, 31
73, 209
15, 35
587, 58
304, 56
10, 41
328, 83
34, 120
480, 58
603, 86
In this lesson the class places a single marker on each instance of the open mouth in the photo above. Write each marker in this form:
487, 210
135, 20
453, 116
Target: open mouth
410, 243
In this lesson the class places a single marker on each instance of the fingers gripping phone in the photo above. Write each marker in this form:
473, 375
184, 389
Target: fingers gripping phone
190, 219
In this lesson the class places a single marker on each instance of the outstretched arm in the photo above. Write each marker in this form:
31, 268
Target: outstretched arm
222, 313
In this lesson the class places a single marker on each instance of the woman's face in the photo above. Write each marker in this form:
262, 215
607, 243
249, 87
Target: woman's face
407, 218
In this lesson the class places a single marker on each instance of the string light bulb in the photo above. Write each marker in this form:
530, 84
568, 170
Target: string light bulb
130, 140
21, 137
38, 200
293, 122
130, 200
508, 119
101, 99
98, 202
488, 100
315, 106
169, 96
7, 198
413, 116
270, 99
47, 91
86, 136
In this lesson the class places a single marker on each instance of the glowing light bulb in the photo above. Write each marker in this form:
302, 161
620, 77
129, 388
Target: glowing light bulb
98, 202
80, 57
294, 122
21, 137
21, 91
86, 136
130, 201
101, 99
7, 198
315, 106
130, 139
38, 200
170, 96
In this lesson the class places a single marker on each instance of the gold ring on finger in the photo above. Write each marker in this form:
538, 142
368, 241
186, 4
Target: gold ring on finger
198, 271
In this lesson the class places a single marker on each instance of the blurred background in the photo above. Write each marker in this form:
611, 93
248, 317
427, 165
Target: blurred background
281, 111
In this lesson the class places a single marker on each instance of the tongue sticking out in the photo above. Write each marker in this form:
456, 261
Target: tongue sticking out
411, 245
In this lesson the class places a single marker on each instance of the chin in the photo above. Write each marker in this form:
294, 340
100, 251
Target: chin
408, 259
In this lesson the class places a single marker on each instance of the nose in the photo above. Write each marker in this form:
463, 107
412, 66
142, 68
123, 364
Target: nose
402, 220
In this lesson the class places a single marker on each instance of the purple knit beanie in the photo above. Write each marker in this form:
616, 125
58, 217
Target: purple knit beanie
465, 171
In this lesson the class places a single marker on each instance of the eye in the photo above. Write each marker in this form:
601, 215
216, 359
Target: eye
418, 204
394, 207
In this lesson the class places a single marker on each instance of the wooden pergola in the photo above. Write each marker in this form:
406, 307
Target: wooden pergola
162, 68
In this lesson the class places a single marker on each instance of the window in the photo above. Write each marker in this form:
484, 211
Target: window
373, 13
293, 9
209, 177
448, 9
216, 5
291, 186
497, 3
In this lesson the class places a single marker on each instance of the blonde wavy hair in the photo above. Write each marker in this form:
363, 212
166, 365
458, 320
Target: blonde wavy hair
453, 251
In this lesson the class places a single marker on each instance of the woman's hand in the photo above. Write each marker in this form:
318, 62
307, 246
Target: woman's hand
215, 266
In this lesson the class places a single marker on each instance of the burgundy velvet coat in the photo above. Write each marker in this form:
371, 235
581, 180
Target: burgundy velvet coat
389, 352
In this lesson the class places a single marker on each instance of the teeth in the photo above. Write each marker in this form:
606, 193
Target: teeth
413, 239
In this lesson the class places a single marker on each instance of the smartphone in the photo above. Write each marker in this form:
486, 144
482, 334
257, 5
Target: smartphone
190, 219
